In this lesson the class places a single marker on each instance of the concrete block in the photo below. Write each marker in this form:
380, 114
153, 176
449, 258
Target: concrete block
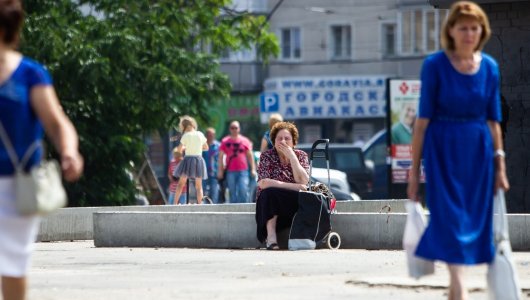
372, 206
67, 224
370, 230
238, 230
169, 229
232, 230
519, 225
76, 223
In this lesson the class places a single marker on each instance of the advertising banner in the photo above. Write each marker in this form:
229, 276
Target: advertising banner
324, 97
404, 99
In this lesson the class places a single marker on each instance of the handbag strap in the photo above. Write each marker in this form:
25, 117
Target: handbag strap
11, 150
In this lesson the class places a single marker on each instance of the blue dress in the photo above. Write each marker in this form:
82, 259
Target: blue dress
459, 159
17, 233
16, 114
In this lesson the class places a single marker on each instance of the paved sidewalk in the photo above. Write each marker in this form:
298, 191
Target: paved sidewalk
78, 270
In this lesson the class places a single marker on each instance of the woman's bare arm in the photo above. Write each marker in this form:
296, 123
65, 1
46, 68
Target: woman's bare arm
501, 180
417, 147
267, 183
264, 145
59, 128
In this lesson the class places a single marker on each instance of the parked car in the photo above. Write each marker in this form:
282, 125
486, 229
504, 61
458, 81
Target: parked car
350, 160
376, 155
338, 183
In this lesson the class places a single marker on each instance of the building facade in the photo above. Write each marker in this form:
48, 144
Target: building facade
390, 38
347, 49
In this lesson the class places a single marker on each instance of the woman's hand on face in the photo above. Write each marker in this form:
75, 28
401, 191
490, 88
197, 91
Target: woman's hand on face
280, 147
286, 150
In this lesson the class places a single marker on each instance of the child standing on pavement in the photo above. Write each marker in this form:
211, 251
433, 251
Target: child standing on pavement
177, 158
194, 142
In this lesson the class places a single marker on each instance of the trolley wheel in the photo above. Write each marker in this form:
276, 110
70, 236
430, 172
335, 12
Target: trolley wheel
333, 241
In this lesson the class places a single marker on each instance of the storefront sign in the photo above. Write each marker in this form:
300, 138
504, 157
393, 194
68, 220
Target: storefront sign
328, 97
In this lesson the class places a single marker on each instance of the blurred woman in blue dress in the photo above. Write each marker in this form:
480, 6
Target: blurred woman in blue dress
459, 136
28, 104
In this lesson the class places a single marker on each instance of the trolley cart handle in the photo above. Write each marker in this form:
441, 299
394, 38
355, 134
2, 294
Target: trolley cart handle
315, 149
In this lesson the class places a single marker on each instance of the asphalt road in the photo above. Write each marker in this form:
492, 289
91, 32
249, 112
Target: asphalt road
78, 270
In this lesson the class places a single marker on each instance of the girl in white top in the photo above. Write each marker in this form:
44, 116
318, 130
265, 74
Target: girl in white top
193, 165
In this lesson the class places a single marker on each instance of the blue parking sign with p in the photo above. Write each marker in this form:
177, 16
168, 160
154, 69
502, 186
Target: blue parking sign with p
269, 102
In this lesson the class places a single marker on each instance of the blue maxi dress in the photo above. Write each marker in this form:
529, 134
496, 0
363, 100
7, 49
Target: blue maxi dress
459, 159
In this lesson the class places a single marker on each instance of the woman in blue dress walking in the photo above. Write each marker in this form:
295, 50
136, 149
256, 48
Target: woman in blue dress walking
458, 134
29, 107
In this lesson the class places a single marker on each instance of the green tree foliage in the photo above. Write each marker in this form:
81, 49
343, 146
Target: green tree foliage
133, 68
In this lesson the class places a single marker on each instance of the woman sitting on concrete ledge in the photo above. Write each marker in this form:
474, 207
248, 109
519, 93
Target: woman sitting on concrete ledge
282, 172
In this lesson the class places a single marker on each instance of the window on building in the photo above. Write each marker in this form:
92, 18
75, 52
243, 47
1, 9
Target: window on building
420, 30
291, 43
431, 34
389, 39
243, 55
406, 34
341, 41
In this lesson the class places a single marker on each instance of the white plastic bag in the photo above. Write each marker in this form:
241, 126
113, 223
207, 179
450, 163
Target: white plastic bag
414, 228
503, 283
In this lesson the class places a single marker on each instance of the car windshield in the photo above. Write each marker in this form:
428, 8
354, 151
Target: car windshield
342, 159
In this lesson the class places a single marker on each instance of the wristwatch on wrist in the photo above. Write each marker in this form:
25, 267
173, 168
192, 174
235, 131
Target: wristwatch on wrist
499, 152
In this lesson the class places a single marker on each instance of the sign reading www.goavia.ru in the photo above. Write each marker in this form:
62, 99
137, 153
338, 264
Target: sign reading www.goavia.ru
329, 97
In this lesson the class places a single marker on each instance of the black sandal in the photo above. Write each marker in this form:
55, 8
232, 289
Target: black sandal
273, 246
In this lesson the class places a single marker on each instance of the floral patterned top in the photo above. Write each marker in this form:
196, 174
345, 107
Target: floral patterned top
270, 166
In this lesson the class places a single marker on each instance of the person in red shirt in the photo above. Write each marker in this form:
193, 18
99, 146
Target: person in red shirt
235, 157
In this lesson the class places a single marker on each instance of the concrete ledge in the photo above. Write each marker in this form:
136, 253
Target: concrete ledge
76, 223
370, 230
238, 230
232, 230
372, 206
385, 231
169, 229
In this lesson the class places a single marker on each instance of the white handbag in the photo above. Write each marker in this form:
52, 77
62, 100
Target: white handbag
503, 283
41, 190
414, 228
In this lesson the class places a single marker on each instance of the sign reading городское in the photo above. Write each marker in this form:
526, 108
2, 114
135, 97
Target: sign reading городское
324, 97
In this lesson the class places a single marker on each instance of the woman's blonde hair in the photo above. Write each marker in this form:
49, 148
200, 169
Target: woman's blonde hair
187, 121
284, 125
274, 118
458, 11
